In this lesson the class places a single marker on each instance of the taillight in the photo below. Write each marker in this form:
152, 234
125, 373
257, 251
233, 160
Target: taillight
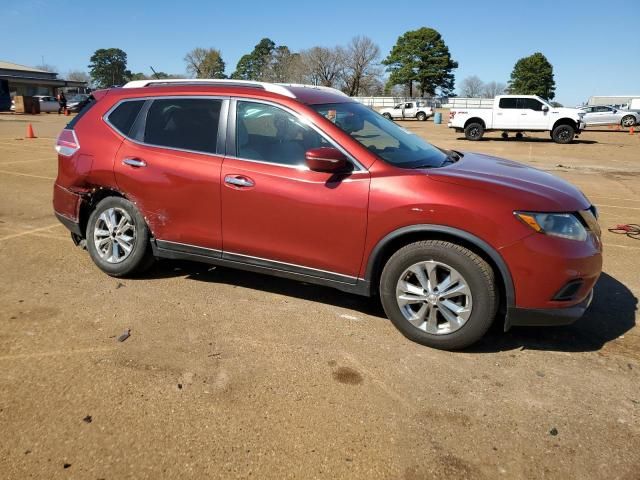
67, 143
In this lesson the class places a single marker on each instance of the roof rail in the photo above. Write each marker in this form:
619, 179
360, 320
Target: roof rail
315, 87
269, 87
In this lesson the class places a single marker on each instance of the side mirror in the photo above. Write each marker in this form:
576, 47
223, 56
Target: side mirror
327, 159
545, 108
615, 111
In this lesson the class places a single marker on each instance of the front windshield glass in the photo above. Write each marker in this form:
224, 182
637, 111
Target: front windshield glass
383, 137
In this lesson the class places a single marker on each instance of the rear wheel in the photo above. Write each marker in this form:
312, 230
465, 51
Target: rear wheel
421, 116
118, 238
439, 294
474, 131
563, 134
628, 121
387, 116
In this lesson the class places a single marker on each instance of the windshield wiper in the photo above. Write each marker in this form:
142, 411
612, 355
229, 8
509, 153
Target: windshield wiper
452, 157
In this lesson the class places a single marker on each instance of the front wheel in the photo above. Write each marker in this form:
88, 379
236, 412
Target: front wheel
628, 121
118, 238
439, 294
563, 134
474, 131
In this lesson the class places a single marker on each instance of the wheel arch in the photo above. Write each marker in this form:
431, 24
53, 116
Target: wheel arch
565, 121
90, 200
397, 239
475, 120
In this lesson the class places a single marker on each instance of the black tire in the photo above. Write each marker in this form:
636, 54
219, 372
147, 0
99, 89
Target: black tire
140, 257
387, 116
628, 121
563, 134
477, 274
474, 131
505, 135
421, 116
519, 136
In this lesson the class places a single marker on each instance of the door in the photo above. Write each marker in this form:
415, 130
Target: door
169, 165
409, 110
278, 213
532, 115
507, 116
397, 111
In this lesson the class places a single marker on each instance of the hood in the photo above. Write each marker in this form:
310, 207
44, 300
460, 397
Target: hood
567, 112
528, 187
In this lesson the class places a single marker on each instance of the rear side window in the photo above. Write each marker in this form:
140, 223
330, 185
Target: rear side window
124, 115
184, 123
508, 103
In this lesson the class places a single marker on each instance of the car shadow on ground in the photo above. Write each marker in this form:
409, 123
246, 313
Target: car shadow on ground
611, 314
266, 283
527, 140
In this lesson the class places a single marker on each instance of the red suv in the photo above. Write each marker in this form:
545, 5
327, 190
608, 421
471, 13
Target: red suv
303, 182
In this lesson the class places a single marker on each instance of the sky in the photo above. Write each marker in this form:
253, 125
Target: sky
592, 45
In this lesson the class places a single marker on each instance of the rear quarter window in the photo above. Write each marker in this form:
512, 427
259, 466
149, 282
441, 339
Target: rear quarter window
124, 115
508, 103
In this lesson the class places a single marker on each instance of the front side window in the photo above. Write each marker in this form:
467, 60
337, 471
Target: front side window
531, 104
184, 123
124, 115
270, 134
383, 137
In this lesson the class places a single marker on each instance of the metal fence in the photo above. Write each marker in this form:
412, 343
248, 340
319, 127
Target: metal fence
381, 102
462, 102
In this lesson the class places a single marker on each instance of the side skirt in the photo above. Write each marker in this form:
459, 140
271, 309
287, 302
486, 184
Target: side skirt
181, 251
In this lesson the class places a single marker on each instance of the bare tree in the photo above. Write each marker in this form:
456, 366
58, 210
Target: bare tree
360, 56
324, 66
205, 63
79, 76
471, 87
493, 89
284, 66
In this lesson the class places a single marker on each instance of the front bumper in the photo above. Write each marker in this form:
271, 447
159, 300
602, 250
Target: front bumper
537, 317
581, 126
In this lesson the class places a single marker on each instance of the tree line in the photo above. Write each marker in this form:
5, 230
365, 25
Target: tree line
419, 62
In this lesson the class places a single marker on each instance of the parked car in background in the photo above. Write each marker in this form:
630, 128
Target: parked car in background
406, 110
48, 103
518, 113
77, 102
304, 182
608, 115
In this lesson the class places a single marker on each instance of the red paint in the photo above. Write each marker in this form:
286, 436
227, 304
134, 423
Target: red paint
321, 221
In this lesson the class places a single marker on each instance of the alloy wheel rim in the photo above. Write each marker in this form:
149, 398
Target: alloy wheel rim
627, 122
434, 297
114, 235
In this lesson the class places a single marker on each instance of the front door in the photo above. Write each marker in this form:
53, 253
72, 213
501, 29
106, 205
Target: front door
278, 213
169, 167
532, 116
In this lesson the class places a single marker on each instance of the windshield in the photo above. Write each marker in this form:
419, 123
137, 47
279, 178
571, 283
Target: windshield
393, 144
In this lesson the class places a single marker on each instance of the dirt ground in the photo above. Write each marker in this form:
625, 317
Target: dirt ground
231, 374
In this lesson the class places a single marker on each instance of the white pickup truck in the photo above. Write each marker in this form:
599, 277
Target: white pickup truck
406, 110
518, 113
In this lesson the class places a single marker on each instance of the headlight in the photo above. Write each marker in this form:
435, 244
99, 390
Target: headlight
563, 225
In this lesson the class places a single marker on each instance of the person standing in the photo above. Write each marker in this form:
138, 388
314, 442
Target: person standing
62, 101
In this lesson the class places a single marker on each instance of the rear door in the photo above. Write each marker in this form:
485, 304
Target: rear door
278, 213
410, 110
507, 116
169, 165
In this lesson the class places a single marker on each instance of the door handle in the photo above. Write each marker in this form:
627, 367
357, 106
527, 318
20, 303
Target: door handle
238, 181
134, 162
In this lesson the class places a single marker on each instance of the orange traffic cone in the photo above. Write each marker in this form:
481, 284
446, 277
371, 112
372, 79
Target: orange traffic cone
66, 112
30, 133
631, 131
